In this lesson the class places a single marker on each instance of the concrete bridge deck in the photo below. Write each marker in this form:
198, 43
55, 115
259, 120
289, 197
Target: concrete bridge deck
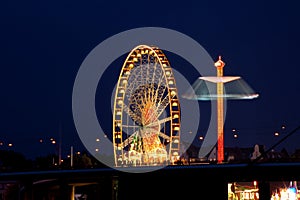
171, 182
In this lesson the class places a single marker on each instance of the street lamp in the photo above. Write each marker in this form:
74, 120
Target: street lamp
235, 135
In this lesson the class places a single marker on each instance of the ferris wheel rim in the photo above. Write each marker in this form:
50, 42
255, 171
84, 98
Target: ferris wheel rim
161, 64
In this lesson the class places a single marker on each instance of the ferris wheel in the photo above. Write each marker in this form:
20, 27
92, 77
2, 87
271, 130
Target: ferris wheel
146, 115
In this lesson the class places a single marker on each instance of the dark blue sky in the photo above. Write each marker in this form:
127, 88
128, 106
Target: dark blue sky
43, 44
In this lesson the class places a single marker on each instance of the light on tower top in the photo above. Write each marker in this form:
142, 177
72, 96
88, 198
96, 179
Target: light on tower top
220, 63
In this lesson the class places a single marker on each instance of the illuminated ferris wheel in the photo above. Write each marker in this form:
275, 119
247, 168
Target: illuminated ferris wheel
146, 115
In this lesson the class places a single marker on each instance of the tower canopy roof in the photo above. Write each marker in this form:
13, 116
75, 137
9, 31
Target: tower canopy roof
234, 87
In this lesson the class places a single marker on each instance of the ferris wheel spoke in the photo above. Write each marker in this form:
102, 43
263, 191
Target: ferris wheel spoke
158, 79
158, 122
153, 130
138, 101
152, 81
152, 116
159, 92
133, 84
129, 89
130, 126
148, 130
163, 105
129, 139
157, 99
145, 75
163, 135
131, 114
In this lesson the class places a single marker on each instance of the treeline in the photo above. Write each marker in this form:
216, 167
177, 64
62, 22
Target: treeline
14, 161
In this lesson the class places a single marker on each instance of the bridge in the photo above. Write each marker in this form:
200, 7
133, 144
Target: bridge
171, 182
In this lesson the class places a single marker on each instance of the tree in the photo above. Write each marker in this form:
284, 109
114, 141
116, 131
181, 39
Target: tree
14, 161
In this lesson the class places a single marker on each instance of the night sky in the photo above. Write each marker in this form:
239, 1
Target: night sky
43, 44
